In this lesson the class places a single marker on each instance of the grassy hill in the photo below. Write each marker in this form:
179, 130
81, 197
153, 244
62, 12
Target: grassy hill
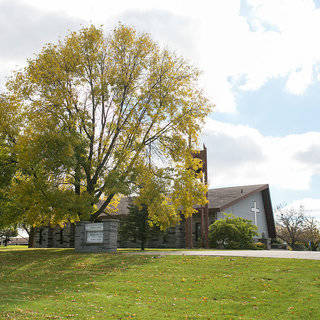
59, 284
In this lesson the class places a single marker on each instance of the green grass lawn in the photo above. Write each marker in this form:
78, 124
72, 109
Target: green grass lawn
59, 284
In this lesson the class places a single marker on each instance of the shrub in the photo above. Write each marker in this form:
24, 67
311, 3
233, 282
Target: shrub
312, 245
232, 233
260, 245
298, 246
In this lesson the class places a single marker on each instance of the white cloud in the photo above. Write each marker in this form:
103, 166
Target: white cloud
177, 32
240, 155
311, 155
271, 39
293, 46
274, 38
299, 81
24, 29
311, 206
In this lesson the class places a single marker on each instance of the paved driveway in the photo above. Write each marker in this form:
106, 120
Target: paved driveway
311, 255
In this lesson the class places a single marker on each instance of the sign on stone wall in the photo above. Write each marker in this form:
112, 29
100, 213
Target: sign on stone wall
94, 232
96, 237
94, 227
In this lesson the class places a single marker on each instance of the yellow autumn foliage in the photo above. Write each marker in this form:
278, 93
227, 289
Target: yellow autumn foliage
93, 117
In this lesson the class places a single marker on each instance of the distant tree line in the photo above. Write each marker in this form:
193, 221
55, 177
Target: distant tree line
6, 234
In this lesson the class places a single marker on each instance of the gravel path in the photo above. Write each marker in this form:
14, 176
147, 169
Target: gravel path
310, 255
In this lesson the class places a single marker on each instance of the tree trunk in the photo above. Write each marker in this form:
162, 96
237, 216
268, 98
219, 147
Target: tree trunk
31, 238
77, 182
143, 240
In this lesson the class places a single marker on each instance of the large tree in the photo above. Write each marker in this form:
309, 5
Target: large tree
290, 225
311, 234
296, 228
93, 117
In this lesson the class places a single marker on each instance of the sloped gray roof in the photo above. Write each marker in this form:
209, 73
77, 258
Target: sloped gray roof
219, 198
222, 198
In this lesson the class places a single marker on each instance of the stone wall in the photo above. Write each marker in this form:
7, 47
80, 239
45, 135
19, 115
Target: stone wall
55, 237
43, 237
63, 237
174, 237
171, 238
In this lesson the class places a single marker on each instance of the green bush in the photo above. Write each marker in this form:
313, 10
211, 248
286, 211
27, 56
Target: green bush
232, 233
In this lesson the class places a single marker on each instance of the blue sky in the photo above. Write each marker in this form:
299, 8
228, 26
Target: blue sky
261, 68
275, 112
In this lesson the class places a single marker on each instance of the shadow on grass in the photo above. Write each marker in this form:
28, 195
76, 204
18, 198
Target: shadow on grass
32, 274
60, 284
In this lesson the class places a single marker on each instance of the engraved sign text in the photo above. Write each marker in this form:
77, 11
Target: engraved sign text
94, 237
94, 227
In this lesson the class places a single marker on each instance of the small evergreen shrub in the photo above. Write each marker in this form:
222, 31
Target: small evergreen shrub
232, 233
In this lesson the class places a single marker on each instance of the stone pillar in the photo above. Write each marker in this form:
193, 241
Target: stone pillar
96, 237
43, 237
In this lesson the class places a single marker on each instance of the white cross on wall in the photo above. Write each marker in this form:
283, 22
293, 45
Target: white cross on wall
255, 210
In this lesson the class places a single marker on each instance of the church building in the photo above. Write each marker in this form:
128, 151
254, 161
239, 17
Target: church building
251, 202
